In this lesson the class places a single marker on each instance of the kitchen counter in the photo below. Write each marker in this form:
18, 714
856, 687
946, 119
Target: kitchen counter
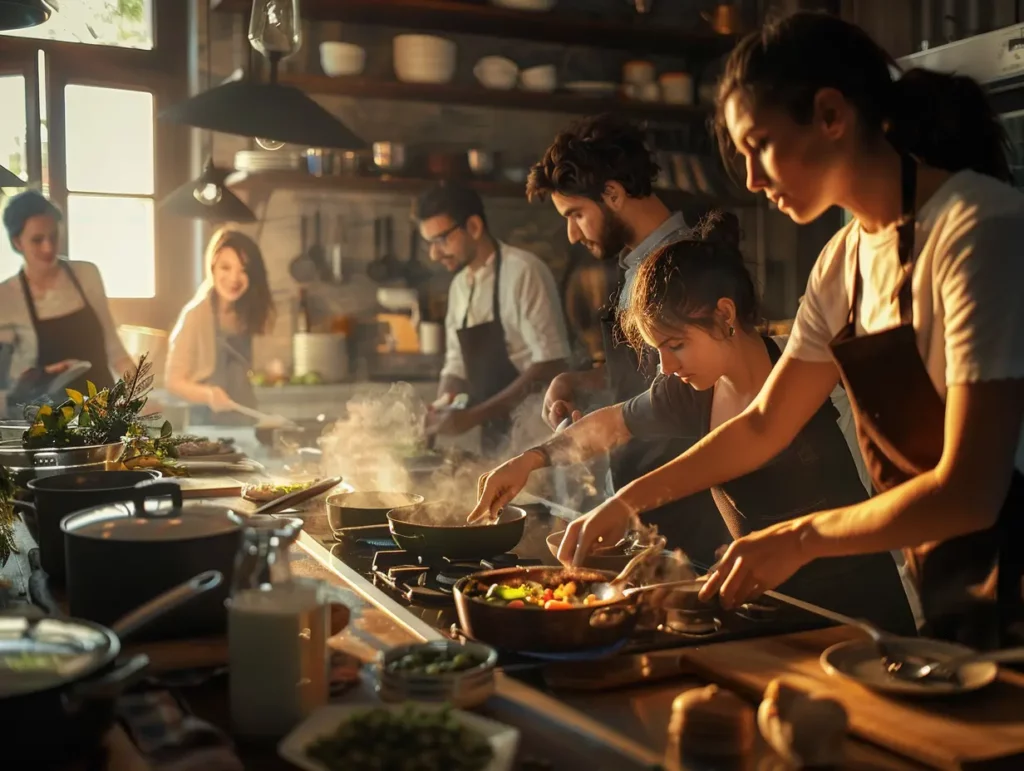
613, 730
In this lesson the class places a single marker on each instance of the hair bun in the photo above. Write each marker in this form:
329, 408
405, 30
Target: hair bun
720, 227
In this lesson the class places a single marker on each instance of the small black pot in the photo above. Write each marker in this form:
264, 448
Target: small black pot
365, 508
120, 556
55, 716
54, 497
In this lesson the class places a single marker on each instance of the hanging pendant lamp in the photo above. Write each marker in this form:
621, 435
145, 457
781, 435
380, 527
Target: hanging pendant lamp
19, 14
9, 179
274, 112
208, 198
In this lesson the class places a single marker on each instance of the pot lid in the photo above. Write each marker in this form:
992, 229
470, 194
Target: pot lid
160, 521
37, 654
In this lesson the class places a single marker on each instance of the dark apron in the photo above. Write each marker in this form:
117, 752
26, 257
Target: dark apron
816, 471
489, 370
970, 586
693, 523
231, 372
78, 335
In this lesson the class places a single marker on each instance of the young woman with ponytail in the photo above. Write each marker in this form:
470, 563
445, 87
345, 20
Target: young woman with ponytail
916, 306
694, 302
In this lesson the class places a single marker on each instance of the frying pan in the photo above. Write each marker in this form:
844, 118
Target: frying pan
415, 271
439, 529
302, 269
385, 266
317, 253
544, 631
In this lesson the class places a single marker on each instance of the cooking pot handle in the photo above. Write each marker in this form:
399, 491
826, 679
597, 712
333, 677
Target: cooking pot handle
602, 618
166, 602
110, 686
155, 489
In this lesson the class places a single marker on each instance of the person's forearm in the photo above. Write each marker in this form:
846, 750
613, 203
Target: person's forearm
503, 402
596, 433
737, 447
450, 386
920, 510
124, 365
189, 390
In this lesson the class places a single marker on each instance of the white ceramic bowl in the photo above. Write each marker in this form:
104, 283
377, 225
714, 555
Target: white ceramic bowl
338, 59
497, 72
424, 59
542, 78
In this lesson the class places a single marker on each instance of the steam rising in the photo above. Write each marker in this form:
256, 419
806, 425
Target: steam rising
381, 445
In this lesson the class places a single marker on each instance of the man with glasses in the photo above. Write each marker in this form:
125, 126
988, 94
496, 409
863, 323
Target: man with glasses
504, 331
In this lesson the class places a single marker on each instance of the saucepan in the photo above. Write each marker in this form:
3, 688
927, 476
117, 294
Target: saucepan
61, 675
439, 529
359, 509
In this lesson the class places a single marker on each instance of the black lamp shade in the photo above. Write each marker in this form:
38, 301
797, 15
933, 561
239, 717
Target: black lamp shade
9, 179
264, 110
19, 14
208, 198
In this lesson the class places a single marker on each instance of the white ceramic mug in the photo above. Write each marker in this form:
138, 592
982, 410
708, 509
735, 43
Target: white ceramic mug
431, 338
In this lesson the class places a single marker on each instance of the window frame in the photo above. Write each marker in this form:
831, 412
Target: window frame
164, 72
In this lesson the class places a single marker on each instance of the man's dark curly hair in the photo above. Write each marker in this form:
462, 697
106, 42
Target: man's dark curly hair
591, 153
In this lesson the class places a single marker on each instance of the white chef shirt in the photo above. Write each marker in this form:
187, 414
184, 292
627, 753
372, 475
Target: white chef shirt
531, 312
968, 286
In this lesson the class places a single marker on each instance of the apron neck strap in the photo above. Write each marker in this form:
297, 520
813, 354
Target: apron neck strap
31, 304
905, 245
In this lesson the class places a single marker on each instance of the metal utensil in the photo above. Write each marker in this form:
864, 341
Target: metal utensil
302, 268
299, 496
949, 670
278, 421
616, 585
564, 425
886, 644
608, 592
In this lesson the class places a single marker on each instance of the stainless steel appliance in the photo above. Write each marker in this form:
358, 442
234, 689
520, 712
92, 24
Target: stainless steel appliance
996, 60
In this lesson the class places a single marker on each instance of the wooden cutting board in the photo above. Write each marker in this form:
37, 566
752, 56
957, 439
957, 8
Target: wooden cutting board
209, 487
983, 730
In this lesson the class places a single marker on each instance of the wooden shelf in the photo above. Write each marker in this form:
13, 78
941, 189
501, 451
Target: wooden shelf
513, 99
263, 182
633, 33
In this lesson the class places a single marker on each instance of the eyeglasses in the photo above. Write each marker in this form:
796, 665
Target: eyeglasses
441, 238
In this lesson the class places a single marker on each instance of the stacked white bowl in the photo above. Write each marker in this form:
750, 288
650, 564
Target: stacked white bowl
424, 59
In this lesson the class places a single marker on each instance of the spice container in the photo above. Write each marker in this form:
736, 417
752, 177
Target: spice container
711, 728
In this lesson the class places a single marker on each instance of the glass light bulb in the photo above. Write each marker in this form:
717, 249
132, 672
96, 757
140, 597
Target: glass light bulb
269, 144
275, 27
208, 194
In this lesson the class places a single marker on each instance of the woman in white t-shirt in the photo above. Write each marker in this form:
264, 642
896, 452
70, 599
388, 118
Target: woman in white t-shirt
54, 311
934, 365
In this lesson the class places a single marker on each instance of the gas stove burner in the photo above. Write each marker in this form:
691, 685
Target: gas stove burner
690, 624
757, 611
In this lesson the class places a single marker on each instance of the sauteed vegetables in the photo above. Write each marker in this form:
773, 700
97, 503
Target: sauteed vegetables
532, 594
411, 740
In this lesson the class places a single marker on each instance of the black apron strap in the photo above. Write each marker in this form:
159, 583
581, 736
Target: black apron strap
30, 304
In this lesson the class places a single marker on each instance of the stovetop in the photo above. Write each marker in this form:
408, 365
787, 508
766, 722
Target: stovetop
425, 590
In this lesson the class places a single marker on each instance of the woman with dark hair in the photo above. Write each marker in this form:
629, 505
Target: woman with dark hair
916, 305
694, 302
54, 311
210, 352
